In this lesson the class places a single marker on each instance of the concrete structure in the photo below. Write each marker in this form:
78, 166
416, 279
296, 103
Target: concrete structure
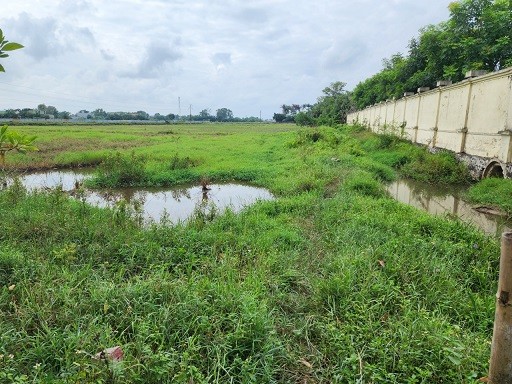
472, 118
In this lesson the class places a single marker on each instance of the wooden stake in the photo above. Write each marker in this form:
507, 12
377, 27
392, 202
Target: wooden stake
500, 369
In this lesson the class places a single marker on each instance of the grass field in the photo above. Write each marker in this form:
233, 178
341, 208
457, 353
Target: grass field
332, 281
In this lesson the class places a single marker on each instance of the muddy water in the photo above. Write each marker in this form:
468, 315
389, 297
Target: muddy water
443, 201
174, 204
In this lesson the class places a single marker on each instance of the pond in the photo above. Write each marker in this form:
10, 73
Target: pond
175, 204
448, 201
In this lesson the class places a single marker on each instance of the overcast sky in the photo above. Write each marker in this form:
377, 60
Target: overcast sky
248, 56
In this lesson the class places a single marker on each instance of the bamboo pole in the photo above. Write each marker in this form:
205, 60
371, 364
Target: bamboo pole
500, 369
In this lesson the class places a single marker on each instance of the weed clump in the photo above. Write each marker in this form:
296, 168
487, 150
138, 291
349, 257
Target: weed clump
365, 184
441, 168
121, 171
182, 162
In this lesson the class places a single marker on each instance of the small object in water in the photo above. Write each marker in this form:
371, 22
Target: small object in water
204, 183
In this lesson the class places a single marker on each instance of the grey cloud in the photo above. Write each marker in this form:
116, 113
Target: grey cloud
106, 55
39, 36
158, 55
252, 15
221, 60
47, 37
343, 54
75, 6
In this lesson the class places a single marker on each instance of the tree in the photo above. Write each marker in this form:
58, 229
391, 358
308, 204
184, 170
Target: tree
99, 114
224, 114
478, 35
6, 46
51, 110
305, 119
332, 108
279, 117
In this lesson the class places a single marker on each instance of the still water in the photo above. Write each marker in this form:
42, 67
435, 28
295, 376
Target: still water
179, 203
174, 204
443, 201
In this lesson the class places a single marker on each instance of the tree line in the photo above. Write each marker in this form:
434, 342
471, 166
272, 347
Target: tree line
42, 111
477, 35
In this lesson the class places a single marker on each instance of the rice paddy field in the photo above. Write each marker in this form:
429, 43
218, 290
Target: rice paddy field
332, 281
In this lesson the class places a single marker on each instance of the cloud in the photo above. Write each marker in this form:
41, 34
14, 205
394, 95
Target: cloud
39, 36
221, 60
343, 54
245, 56
69, 7
48, 37
107, 55
157, 57
252, 15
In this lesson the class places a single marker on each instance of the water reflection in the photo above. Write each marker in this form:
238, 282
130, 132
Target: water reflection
174, 204
443, 201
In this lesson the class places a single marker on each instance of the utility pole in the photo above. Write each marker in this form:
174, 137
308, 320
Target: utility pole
190, 112
179, 106
500, 369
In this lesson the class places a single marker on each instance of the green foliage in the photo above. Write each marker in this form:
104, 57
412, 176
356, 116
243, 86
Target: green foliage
333, 107
14, 141
476, 36
305, 119
182, 162
441, 167
6, 46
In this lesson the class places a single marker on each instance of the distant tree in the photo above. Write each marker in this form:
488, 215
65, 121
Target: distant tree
6, 46
333, 107
41, 108
51, 110
99, 114
224, 114
279, 117
64, 115
305, 119
141, 115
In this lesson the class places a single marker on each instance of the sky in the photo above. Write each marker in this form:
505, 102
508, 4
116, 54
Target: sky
182, 56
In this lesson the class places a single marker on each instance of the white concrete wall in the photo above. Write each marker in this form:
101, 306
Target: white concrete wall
473, 116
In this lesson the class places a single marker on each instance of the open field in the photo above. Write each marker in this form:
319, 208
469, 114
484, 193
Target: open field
333, 281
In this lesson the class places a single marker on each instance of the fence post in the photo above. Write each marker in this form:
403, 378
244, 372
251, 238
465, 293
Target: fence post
500, 369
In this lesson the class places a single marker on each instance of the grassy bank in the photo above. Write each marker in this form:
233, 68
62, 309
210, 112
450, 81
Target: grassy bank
331, 282
493, 192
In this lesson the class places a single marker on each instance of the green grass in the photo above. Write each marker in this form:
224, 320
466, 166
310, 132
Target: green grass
493, 192
332, 281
